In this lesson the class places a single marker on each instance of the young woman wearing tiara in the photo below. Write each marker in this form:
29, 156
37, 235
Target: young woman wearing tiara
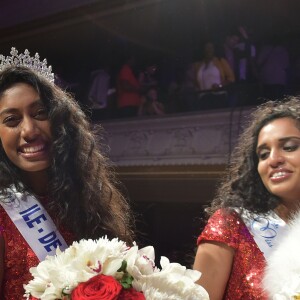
55, 184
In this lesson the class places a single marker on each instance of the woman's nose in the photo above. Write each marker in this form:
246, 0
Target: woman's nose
276, 158
29, 130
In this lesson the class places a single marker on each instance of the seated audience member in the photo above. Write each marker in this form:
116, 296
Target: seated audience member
212, 74
147, 77
98, 94
240, 52
150, 105
128, 90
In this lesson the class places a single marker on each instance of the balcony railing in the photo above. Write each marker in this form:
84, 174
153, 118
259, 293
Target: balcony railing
202, 138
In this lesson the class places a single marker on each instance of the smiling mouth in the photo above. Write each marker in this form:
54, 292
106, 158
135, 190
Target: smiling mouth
33, 149
39, 151
279, 175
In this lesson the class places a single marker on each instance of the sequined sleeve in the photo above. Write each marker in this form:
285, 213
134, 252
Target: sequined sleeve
248, 263
223, 227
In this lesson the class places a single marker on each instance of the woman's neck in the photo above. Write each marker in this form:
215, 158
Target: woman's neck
286, 212
37, 182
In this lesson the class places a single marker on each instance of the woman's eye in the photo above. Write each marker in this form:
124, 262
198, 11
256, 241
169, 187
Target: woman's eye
11, 121
290, 148
263, 155
41, 114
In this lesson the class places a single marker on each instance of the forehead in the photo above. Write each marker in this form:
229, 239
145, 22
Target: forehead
19, 94
17, 87
279, 128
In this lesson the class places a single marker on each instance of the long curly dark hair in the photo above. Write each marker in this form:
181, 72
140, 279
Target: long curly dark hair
82, 188
242, 186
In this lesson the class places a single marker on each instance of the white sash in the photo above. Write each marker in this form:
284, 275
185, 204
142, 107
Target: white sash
34, 223
267, 231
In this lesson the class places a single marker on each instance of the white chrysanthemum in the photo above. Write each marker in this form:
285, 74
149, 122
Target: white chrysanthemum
156, 294
174, 281
48, 293
152, 293
80, 262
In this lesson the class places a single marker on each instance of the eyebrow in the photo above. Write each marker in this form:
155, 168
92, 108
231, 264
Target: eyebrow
13, 110
264, 145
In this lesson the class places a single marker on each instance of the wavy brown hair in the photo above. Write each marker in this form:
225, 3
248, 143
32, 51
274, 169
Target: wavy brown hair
82, 188
242, 187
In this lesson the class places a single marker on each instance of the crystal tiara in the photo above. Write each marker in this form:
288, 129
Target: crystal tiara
25, 60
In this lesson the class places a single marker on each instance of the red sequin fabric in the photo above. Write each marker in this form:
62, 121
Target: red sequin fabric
18, 258
249, 262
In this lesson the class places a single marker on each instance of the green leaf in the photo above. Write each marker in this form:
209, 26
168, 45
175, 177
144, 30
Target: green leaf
126, 281
123, 266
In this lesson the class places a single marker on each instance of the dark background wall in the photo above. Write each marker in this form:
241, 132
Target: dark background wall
78, 35
169, 204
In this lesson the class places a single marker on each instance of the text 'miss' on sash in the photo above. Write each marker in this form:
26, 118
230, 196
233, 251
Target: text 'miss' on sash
267, 230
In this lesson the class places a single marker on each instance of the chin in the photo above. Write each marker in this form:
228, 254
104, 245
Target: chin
35, 168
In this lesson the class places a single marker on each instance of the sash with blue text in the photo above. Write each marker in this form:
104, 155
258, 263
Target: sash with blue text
34, 223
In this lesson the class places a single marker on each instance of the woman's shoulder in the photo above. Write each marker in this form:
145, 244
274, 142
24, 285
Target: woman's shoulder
224, 226
226, 214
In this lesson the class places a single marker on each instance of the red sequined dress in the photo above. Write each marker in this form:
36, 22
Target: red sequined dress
248, 263
18, 258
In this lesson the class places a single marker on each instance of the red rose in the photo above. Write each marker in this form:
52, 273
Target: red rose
97, 288
131, 294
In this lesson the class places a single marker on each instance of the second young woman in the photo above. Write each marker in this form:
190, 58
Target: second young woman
253, 205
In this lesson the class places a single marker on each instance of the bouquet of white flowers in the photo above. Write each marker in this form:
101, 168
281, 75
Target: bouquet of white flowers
109, 269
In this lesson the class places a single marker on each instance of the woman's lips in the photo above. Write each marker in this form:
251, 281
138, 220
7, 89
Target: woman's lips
35, 151
280, 175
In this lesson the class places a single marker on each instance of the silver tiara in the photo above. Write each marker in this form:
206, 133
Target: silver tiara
25, 60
